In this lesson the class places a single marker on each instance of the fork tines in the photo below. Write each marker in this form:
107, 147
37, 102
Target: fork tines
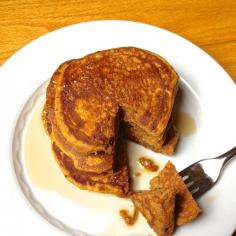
196, 180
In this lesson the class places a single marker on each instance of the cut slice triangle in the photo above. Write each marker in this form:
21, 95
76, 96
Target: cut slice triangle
187, 208
158, 207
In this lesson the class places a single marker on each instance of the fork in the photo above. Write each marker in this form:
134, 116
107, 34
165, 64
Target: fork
201, 176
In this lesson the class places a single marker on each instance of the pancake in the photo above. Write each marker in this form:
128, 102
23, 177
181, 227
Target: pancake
165, 146
96, 162
87, 99
117, 183
187, 207
158, 207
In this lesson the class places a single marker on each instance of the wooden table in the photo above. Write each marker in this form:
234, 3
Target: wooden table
207, 23
211, 24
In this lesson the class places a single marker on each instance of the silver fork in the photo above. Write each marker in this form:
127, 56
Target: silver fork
203, 175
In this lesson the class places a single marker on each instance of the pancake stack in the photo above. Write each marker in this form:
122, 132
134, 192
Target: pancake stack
93, 103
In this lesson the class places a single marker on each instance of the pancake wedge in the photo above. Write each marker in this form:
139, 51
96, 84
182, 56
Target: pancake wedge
187, 207
158, 207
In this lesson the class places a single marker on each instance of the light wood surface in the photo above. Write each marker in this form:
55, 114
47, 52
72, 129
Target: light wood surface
211, 24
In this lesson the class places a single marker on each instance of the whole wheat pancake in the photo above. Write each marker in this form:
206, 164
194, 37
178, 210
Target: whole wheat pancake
158, 207
117, 183
165, 146
88, 97
187, 207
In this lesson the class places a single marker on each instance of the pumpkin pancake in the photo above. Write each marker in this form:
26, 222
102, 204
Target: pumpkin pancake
158, 207
87, 99
117, 183
187, 207
165, 146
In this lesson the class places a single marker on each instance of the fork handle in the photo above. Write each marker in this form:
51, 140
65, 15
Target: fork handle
228, 156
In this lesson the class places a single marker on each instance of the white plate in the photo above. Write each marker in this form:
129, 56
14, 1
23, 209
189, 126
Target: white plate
209, 96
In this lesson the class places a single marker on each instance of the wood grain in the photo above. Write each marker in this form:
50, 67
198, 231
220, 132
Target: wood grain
209, 24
